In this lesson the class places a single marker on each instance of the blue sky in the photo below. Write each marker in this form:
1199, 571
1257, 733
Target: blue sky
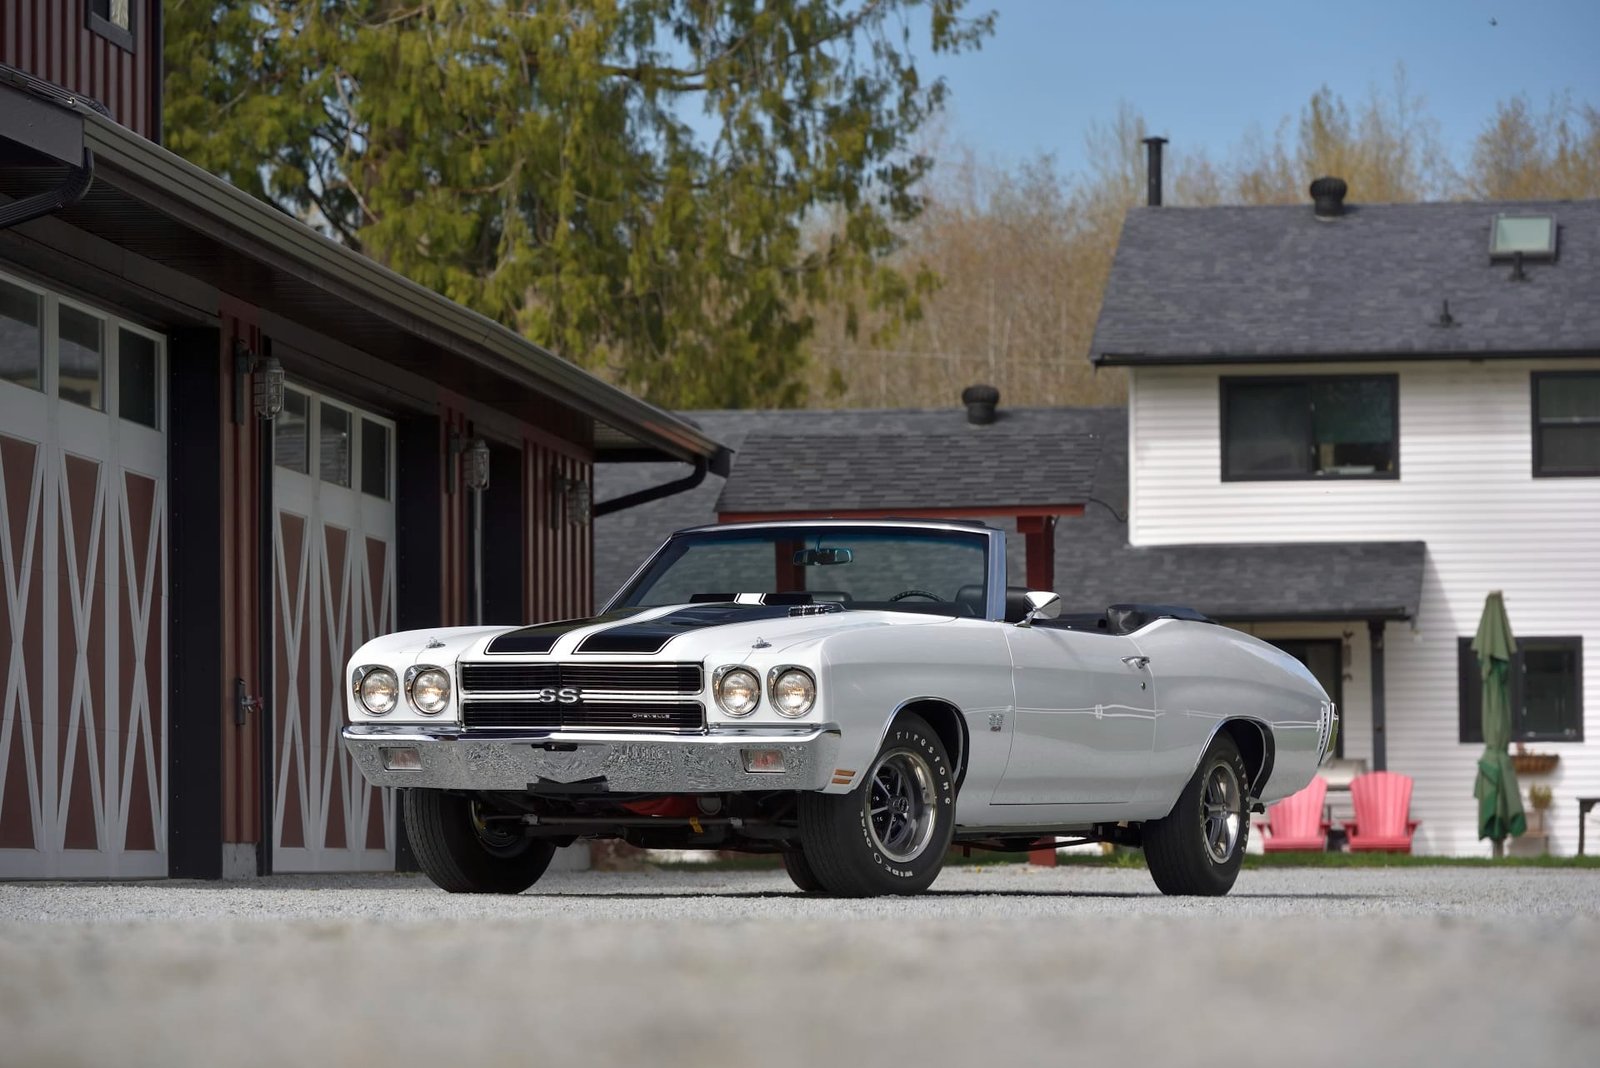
1204, 73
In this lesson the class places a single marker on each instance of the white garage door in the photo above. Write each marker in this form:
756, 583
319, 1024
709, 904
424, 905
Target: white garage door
83, 709
333, 502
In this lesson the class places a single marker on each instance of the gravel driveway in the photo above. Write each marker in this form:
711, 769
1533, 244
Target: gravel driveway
1007, 965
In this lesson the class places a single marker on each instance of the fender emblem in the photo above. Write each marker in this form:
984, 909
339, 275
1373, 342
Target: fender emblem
996, 720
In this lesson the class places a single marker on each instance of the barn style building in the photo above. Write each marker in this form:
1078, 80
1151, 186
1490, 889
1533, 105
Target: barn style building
231, 450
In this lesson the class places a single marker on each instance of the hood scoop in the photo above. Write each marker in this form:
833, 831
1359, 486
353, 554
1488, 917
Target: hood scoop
820, 609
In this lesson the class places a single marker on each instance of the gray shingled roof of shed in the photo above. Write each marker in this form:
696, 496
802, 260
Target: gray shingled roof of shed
1002, 465
1095, 566
1224, 284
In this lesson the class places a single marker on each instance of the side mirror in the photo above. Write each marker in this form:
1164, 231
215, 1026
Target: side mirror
1038, 601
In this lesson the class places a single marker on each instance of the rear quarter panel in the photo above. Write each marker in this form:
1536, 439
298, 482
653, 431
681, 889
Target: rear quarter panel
1206, 674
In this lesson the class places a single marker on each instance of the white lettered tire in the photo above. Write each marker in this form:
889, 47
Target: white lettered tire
890, 834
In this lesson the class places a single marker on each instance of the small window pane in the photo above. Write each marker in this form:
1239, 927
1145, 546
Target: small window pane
21, 336
82, 366
1353, 419
1267, 431
333, 445
289, 433
1568, 398
136, 374
374, 459
1569, 450
1549, 691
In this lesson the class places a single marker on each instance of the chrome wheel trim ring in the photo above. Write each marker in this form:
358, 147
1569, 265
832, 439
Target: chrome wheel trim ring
1221, 812
901, 805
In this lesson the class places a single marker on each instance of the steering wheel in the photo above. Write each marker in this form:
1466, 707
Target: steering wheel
903, 594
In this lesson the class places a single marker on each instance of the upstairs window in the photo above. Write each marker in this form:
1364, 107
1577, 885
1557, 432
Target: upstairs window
1546, 691
1566, 424
113, 20
1343, 426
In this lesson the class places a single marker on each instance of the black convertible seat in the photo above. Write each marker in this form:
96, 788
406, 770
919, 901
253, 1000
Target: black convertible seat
1127, 618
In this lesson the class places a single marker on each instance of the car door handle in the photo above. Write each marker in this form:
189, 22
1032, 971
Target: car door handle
1136, 661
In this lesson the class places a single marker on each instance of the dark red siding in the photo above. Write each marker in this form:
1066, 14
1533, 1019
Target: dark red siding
51, 39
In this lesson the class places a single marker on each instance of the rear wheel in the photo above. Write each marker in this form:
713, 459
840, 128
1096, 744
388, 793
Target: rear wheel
795, 863
890, 834
1198, 847
464, 852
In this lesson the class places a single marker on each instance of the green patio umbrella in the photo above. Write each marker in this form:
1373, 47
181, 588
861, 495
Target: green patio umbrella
1499, 799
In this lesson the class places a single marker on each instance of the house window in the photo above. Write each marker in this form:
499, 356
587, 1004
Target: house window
1566, 424
1546, 691
113, 20
1345, 426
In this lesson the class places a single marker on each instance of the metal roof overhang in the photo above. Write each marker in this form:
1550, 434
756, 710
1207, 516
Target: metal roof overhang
151, 202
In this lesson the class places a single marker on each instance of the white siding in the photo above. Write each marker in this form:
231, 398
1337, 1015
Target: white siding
1465, 488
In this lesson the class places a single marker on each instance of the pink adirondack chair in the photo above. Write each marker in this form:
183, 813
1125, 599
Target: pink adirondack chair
1296, 823
1382, 823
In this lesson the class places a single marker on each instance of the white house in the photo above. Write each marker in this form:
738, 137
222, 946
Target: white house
1347, 425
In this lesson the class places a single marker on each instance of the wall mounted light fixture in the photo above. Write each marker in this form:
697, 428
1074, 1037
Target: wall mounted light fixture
572, 501
266, 388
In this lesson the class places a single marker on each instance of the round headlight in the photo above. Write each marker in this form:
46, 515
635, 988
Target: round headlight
738, 691
794, 691
379, 690
430, 691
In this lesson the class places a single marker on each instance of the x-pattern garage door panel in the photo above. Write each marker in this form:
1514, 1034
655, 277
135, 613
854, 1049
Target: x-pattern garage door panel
82, 783
334, 581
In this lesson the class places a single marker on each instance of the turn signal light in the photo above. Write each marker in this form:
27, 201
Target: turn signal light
762, 760
401, 758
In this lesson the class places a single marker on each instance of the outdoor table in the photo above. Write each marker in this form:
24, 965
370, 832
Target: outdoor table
1584, 805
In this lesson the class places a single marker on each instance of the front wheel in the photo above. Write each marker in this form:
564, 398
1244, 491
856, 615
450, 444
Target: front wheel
465, 852
1198, 847
890, 834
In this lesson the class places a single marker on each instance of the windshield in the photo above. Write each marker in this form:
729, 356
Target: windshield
891, 568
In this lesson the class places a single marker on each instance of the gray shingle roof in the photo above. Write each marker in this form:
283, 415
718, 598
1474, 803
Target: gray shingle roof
1299, 580
1095, 566
1273, 283
962, 466
623, 539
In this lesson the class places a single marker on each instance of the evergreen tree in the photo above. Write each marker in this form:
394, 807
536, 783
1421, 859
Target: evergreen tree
628, 182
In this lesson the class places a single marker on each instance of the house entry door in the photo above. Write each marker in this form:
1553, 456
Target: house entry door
333, 589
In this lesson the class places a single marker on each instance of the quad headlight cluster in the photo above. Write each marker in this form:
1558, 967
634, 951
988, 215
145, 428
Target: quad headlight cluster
427, 688
792, 691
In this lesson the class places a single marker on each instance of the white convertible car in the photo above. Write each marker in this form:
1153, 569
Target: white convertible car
857, 695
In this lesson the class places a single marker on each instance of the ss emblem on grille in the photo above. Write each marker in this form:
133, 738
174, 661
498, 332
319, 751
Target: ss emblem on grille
566, 695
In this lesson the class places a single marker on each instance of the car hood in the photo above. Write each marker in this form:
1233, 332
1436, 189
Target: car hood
683, 632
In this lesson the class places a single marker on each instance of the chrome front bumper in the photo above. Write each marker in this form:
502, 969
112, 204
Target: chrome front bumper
567, 763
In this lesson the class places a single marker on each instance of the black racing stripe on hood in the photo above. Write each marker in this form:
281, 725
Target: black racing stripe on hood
542, 637
652, 635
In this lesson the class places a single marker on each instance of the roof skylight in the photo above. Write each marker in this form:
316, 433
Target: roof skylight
1531, 236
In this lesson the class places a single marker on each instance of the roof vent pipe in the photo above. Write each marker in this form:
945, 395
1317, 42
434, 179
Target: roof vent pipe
1327, 196
980, 402
1152, 147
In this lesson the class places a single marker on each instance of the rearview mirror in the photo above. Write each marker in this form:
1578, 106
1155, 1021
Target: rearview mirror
1038, 603
822, 557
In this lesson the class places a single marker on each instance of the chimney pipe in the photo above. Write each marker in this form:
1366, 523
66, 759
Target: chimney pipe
980, 402
1153, 169
1327, 197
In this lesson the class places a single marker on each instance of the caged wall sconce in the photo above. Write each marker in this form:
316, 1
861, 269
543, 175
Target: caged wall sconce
266, 389
572, 501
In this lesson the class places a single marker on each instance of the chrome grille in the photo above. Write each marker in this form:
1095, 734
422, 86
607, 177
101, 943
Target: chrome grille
641, 679
675, 716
